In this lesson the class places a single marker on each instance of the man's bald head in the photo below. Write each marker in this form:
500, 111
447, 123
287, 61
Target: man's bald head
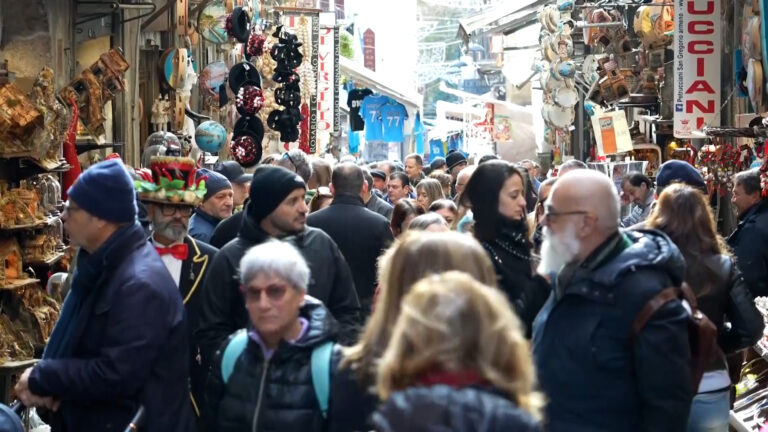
590, 191
347, 179
463, 178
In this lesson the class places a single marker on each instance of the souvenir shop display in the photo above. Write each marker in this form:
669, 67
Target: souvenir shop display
613, 57
96, 86
750, 408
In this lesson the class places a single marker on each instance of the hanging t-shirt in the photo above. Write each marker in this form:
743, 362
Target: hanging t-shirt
418, 133
354, 141
354, 100
369, 110
393, 116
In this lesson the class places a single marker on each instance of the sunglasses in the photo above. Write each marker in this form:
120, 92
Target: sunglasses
287, 156
274, 293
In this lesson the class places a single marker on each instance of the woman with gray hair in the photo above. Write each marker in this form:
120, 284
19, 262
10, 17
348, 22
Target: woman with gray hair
278, 373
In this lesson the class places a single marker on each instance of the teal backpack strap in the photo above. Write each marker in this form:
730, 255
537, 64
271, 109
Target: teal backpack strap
321, 374
232, 352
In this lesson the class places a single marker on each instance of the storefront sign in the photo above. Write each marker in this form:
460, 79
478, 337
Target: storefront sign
697, 66
291, 21
369, 49
327, 86
611, 132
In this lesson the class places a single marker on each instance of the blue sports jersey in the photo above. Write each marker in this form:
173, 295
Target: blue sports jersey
354, 141
370, 113
393, 117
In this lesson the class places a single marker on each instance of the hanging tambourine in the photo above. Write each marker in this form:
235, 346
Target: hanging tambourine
549, 18
755, 85
566, 96
212, 78
173, 64
564, 69
547, 52
211, 22
558, 117
562, 45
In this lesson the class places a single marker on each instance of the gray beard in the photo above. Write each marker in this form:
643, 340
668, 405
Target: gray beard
556, 251
172, 232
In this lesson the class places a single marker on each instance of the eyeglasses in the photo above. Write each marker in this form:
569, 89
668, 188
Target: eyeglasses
275, 293
170, 210
550, 213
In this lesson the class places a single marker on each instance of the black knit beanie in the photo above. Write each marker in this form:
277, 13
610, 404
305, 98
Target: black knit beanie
270, 186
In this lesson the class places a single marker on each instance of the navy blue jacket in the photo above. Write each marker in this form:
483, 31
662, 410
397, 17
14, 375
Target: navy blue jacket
202, 225
594, 377
361, 236
749, 245
132, 351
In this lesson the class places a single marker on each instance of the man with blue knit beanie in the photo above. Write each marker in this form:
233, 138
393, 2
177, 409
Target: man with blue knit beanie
217, 205
120, 341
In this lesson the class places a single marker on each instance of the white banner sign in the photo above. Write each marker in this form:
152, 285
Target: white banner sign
326, 80
697, 65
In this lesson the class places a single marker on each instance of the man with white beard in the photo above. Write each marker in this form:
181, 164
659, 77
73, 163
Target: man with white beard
595, 375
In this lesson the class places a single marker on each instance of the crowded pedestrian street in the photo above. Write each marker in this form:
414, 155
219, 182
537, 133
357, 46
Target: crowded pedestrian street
403, 216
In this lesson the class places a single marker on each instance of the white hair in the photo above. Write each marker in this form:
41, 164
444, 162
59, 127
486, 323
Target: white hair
275, 258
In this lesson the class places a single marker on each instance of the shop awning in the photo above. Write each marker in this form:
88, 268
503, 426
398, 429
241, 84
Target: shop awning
359, 73
505, 18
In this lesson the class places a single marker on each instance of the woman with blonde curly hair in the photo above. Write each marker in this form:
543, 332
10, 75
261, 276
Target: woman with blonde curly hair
411, 258
457, 360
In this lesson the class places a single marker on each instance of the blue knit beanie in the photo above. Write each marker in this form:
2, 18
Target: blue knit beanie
214, 184
674, 171
106, 191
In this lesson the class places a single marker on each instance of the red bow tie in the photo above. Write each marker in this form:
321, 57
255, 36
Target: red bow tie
179, 251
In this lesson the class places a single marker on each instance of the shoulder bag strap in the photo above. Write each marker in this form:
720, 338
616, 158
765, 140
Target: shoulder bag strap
650, 308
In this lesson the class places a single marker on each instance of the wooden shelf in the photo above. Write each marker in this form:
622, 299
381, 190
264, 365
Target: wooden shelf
39, 224
51, 261
18, 283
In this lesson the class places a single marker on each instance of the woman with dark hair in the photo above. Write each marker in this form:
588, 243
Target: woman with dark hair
404, 212
683, 214
496, 193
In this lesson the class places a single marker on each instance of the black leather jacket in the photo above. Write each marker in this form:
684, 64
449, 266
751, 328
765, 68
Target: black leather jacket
728, 298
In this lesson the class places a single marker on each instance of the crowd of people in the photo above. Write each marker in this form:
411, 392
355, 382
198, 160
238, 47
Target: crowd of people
465, 295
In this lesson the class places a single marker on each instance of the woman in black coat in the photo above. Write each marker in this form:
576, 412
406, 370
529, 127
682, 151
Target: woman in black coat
457, 361
497, 194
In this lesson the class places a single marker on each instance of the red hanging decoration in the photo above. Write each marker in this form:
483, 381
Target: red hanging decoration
304, 129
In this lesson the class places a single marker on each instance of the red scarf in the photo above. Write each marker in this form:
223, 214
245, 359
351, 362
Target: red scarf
455, 379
